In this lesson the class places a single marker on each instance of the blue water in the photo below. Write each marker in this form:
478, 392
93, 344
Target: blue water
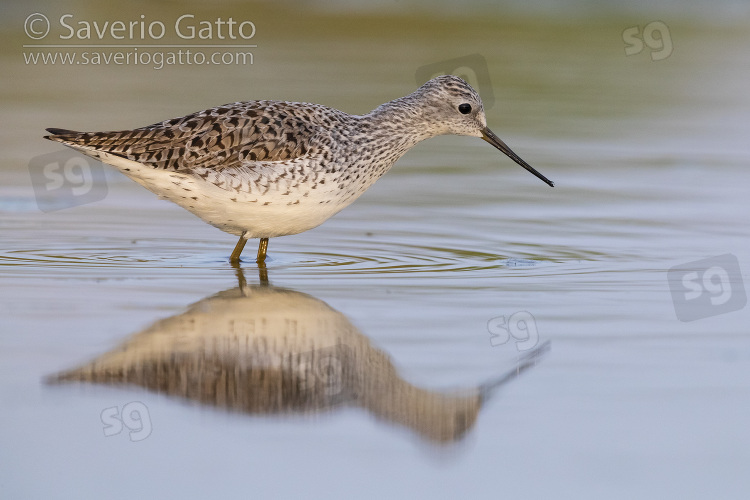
442, 277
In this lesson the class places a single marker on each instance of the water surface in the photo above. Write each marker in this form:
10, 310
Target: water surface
650, 164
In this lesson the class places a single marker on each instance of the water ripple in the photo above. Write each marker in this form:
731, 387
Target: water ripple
351, 257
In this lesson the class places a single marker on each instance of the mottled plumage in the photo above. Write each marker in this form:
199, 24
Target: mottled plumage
261, 169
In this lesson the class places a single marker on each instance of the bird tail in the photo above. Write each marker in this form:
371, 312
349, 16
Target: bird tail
68, 137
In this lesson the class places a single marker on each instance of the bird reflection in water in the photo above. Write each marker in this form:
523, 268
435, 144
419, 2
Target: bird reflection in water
264, 350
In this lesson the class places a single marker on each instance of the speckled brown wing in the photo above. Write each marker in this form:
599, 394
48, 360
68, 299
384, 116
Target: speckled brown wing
231, 135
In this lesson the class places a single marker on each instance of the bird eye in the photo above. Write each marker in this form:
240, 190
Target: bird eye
464, 108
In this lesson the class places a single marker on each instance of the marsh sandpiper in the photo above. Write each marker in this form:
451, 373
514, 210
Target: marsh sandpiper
261, 169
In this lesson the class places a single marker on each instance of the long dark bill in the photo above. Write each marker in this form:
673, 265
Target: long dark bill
490, 137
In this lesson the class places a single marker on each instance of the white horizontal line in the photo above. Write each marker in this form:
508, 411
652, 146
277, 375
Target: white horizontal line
136, 46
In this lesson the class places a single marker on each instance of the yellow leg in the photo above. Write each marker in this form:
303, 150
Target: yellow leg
262, 248
235, 257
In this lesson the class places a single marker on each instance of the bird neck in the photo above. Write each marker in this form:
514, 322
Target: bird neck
401, 123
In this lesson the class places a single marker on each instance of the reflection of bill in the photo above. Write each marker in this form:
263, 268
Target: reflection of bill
472, 68
267, 350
